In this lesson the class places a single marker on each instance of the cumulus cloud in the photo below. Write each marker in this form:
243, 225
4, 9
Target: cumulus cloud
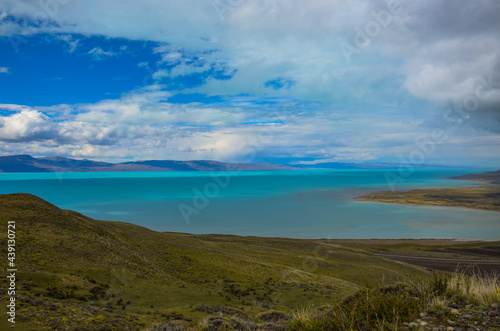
144, 126
28, 125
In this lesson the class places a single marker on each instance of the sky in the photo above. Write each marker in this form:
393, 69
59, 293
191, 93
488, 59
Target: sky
285, 81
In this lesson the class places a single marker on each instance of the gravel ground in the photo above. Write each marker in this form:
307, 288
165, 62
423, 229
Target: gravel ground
459, 317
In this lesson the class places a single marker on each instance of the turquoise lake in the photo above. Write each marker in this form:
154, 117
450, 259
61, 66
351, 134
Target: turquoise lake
298, 203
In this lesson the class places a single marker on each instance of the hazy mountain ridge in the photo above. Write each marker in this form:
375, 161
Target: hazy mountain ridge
27, 163
492, 177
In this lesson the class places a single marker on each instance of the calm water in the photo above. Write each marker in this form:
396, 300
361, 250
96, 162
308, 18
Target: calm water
301, 204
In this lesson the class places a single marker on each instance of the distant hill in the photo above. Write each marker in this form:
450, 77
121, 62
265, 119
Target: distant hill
492, 177
369, 165
27, 163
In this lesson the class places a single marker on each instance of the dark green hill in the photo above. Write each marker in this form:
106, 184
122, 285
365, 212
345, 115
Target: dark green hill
76, 271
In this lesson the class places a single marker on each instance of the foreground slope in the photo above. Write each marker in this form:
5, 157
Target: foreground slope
76, 271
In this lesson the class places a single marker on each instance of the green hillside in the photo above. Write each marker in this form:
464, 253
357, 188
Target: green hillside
74, 271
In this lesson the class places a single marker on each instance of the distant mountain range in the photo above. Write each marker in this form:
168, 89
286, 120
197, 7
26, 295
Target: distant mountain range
27, 163
369, 165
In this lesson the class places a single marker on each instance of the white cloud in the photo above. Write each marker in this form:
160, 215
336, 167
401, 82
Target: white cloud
4, 70
86, 151
98, 53
71, 41
25, 126
13, 107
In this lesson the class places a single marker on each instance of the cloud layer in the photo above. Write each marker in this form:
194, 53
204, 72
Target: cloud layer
353, 80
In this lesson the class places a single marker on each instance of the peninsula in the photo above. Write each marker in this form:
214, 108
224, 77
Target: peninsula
476, 197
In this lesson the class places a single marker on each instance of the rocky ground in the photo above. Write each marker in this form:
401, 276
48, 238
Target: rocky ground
458, 317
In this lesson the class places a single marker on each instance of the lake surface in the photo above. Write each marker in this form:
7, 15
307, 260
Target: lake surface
299, 204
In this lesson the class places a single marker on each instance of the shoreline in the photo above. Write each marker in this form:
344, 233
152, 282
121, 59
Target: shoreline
471, 198
476, 197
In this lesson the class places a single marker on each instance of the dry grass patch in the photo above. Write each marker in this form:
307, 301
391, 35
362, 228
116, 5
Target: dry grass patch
481, 288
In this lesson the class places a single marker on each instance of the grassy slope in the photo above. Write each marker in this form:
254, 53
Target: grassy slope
76, 271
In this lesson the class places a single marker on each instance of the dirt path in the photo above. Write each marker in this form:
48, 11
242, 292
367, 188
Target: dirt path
441, 259
447, 264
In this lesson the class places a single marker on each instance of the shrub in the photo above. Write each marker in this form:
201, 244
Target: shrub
383, 308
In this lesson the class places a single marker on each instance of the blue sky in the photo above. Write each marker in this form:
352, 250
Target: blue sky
252, 81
